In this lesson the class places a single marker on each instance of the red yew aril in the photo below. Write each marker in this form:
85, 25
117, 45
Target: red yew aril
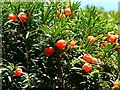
87, 67
61, 44
112, 38
115, 84
94, 60
104, 44
90, 39
12, 17
49, 51
68, 12
87, 57
18, 71
117, 49
23, 17
72, 44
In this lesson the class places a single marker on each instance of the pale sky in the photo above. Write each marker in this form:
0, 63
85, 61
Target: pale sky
106, 4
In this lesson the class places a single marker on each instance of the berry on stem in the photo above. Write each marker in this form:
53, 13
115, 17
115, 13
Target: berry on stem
115, 84
23, 17
104, 44
94, 60
87, 67
61, 44
90, 39
68, 12
87, 57
18, 71
112, 39
72, 44
12, 17
49, 51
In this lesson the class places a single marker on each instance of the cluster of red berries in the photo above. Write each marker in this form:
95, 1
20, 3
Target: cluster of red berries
22, 16
63, 13
60, 44
89, 59
110, 38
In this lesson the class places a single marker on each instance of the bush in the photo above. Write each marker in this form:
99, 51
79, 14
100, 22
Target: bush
48, 40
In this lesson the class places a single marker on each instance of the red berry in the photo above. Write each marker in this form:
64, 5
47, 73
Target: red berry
18, 71
112, 38
87, 57
72, 44
90, 39
87, 67
61, 44
115, 84
23, 17
117, 49
12, 17
68, 12
49, 51
94, 60
104, 44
